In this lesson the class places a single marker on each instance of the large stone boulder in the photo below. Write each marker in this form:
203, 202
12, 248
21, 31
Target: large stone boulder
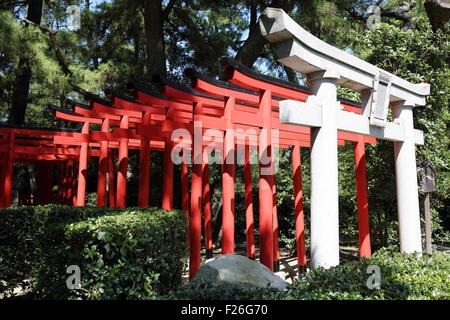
237, 271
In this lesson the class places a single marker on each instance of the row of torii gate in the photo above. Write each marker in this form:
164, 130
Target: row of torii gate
249, 111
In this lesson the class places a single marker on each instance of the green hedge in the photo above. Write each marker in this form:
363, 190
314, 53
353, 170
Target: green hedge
122, 253
403, 276
23, 230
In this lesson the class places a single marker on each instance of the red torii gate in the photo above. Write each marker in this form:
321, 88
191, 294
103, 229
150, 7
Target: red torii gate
170, 91
146, 122
174, 91
35, 146
254, 81
105, 115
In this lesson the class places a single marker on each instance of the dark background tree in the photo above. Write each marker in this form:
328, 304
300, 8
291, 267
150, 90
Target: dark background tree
438, 12
20, 96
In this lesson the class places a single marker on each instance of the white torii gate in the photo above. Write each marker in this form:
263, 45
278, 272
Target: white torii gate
325, 67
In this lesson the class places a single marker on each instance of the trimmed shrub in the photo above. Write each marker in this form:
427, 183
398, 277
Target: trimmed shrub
134, 255
210, 291
23, 230
128, 253
403, 276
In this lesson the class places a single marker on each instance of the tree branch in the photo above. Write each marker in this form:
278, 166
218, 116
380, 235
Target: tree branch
400, 12
167, 9
252, 47
356, 15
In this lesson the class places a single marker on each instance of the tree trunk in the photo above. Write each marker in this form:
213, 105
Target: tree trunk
22, 86
386, 222
216, 210
253, 46
438, 11
137, 44
32, 177
153, 22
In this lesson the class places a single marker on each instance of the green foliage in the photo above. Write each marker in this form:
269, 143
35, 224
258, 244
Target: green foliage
134, 255
200, 33
122, 253
23, 228
403, 276
208, 291
417, 55
49, 83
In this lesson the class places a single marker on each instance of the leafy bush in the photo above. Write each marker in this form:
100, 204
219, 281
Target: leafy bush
91, 199
134, 255
416, 55
122, 253
209, 291
403, 276
23, 230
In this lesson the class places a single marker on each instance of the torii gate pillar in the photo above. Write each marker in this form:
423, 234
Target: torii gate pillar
324, 174
406, 182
